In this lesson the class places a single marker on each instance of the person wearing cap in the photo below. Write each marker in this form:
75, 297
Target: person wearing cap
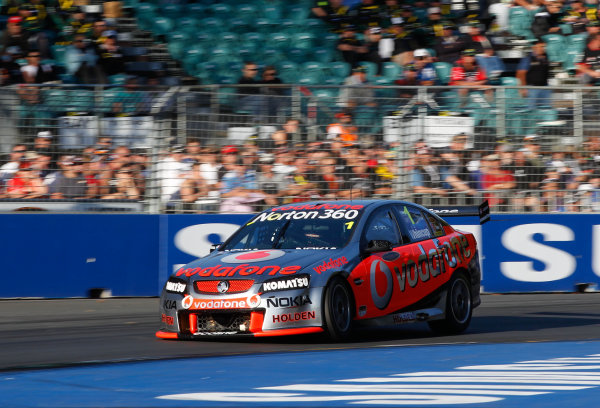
477, 40
548, 19
434, 24
534, 70
588, 68
68, 182
343, 130
375, 50
471, 78
449, 46
111, 60
14, 36
404, 42
357, 90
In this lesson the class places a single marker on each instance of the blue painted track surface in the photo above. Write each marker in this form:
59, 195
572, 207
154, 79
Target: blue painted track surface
557, 374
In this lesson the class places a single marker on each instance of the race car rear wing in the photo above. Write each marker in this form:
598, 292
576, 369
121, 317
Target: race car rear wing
482, 211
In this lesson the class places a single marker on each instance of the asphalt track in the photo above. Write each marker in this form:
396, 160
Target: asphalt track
54, 333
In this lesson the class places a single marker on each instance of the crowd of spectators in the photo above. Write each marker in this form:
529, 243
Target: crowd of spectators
260, 173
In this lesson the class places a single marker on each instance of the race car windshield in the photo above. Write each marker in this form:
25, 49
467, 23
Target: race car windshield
288, 228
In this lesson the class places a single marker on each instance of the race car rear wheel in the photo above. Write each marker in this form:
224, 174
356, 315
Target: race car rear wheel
338, 309
459, 307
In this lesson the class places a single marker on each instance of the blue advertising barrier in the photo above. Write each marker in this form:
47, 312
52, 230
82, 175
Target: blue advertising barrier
132, 255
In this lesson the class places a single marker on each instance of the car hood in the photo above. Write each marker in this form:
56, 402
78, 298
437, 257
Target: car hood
261, 265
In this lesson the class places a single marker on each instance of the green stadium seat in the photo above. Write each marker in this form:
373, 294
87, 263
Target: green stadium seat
79, 101
247, 11
556, 45
577, 42
55, 100
443, 70
270, 56
229, 40
264, 26
339, 69
328, 40
107, 99
387, 92
519, 22
278, 40
272, 12
212, 24
58, 53
391, 70
572, 57
297, 55
195, 10
371, 68
191, 57
303, 40
188, 25
298, 14
207, 72
239, 25
323, 54
205, 39
288, 71
172, 10
162, 25
310, 78
118, 79
220, 10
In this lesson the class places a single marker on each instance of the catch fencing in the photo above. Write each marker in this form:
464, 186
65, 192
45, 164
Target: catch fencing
230, 148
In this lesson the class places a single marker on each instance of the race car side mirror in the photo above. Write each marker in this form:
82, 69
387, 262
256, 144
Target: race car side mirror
378, 245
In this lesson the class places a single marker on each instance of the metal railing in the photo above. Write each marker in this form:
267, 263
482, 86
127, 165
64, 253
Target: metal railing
221, 148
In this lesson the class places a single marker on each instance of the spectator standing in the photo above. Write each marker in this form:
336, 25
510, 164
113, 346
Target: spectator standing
10, 67
548, 19
111, 60
589, 66
404, 42
578, 16
373, 44
250, 98
273, 94
366, 14
534, 70
467, 74
14, 36
357, 90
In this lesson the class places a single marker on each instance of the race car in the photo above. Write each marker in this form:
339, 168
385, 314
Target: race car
329, 267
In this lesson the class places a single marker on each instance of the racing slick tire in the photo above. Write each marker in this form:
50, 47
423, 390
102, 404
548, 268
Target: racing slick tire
338, 309
459, 307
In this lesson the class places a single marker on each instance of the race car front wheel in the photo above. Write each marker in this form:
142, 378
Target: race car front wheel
459, 307
337, 309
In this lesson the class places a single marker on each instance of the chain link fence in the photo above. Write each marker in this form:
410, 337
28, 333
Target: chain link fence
230, 148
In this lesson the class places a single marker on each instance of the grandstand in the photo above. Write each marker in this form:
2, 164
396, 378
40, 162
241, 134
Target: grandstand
179, 83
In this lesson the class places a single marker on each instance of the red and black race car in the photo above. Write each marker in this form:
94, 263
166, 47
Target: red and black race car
329, 266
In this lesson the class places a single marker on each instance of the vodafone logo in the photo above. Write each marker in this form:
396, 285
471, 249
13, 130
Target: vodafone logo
187, 301
253, 256
250, 302
381, 280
